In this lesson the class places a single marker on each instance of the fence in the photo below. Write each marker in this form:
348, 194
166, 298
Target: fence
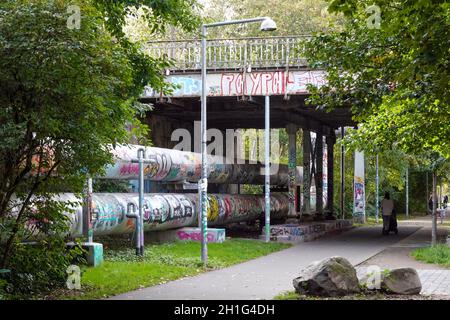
254, 53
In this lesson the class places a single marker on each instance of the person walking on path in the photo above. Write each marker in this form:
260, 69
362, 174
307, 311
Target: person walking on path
445, 201
387, 207
430, 205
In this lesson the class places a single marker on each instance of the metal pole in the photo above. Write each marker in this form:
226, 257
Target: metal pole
267, 167
140, 220
89, 210
439, 202
203, 184
433, 214
407, 192
319, 176
204, 181
342, 175
292, 165
377, 182
427, 191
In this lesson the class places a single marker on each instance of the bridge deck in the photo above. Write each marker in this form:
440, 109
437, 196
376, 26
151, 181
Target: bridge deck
240, 73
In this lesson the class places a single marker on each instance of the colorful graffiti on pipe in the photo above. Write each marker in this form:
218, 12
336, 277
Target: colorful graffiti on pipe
171, 211
178, 166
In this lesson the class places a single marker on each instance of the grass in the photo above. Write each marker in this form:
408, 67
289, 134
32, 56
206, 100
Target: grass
122, 271
371, 221
439, 254
287, 295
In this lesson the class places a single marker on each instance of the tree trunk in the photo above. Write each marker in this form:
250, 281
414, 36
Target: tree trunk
433, 214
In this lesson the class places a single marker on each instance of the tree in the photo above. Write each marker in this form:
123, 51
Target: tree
67, 94
303, 17
390, 65
394, 76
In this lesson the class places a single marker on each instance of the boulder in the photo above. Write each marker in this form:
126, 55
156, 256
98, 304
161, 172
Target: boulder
333, 276
402, 281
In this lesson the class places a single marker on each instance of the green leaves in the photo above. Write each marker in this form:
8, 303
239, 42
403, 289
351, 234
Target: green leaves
67, 95
395, 78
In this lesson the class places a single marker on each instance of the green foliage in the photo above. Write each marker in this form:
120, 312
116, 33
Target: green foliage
302, 17
157, 14
68, 96
3, 288
439, 254
395, 78
41, 266
102, 185
292, 17
287, 295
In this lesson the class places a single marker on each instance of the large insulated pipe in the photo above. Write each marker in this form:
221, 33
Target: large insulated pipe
178, 166
169, 211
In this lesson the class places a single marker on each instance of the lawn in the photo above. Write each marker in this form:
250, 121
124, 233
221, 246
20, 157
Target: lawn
371, 220
439, 254
122, 271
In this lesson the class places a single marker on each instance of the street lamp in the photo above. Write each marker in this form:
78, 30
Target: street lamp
267, 24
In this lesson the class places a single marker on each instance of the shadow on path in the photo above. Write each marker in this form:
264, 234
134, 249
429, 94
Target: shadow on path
267, 276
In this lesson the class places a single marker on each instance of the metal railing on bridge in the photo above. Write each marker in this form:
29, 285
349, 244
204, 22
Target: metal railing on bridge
237, 54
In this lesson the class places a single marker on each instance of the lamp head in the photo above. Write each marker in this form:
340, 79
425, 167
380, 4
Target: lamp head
268, 25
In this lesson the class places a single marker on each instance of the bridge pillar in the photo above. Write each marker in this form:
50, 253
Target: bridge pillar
292, 165
306, 203
330, 177
230, 155
319, 177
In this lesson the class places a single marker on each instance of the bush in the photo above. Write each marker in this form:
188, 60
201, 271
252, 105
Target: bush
39, 267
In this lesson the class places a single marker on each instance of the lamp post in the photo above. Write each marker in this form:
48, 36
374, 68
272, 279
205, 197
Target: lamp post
267, 167
377, 197
407, 191
267, 24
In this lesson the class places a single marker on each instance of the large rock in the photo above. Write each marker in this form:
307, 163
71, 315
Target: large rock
402, 281
333, 276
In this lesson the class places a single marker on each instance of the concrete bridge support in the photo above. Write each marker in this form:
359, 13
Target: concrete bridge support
329, 210
292, 165
306, 203
319, 177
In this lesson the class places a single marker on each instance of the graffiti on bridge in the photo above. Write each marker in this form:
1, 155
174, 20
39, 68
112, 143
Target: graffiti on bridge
250, 83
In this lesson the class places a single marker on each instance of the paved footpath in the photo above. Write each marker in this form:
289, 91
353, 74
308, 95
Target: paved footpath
435, 279
265, 277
